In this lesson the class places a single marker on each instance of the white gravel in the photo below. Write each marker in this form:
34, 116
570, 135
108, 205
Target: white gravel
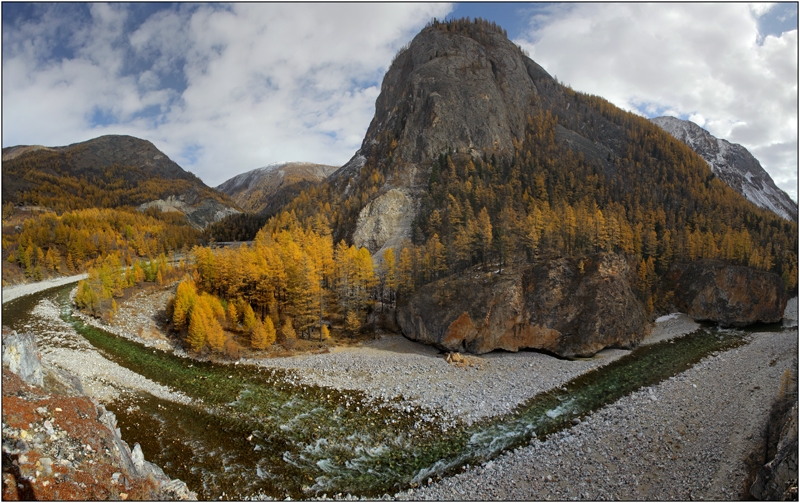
393, 366
670, 326
60, 346
684, 439
16, 291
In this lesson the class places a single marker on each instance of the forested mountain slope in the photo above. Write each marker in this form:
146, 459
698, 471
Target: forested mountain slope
507, 211
474, 148
734, 164
264, 190
106, 172
65, 207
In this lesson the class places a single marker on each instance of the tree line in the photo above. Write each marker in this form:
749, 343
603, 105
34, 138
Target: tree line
49, 244
291, 282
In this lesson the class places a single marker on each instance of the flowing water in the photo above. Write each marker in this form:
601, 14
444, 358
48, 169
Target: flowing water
251, 432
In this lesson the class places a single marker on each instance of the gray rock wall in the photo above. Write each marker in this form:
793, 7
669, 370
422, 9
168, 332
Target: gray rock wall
21, 356
711, 290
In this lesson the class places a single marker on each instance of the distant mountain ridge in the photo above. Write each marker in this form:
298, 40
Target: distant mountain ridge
107, 172
263, 189
734, 164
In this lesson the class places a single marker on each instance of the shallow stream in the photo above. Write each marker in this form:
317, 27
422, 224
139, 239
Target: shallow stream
251, 432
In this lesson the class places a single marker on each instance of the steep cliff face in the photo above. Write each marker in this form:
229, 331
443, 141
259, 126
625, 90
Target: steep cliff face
570, 308
711, 290
463, 92
386, 221
734, 164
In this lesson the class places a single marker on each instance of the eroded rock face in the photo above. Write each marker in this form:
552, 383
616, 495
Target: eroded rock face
385, 221
735, 296
464, 93
552, 306
200, 212
21, 356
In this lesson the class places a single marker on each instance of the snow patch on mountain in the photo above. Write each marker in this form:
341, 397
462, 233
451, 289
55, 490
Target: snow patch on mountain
733, 164
254, 189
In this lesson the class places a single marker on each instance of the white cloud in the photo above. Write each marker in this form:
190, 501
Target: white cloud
698, 60
759, 9
238, 86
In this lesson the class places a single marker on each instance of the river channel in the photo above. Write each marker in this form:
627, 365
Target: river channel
249, 432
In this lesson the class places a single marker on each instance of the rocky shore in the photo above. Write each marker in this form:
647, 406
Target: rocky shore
59, 444
101, 378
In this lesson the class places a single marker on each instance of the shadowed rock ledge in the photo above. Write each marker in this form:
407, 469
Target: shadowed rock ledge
733, 296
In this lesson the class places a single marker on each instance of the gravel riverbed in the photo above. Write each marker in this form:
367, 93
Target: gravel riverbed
683, 439
395, 368
60, 346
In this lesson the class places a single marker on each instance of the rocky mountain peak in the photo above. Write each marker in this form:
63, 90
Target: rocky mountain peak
462, 86
733, 164
459, 87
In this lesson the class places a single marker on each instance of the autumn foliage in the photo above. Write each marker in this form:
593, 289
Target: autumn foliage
292, 277
47, 244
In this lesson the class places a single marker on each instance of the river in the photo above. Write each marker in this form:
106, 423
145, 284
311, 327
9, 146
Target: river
249, 432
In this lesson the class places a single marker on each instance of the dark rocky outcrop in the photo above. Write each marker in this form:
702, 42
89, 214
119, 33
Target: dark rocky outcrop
736, 296
567, 307
777, 479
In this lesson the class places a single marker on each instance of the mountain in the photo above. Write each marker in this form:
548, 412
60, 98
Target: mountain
496, 185
734, 164
108, 172
266, 189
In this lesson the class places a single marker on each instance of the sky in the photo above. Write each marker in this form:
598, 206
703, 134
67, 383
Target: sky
227, 88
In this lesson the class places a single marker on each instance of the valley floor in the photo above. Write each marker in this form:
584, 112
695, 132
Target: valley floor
392, 366
684, 439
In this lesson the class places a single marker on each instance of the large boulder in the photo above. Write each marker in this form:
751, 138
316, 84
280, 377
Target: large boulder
564, 306
21, 356
734, 296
